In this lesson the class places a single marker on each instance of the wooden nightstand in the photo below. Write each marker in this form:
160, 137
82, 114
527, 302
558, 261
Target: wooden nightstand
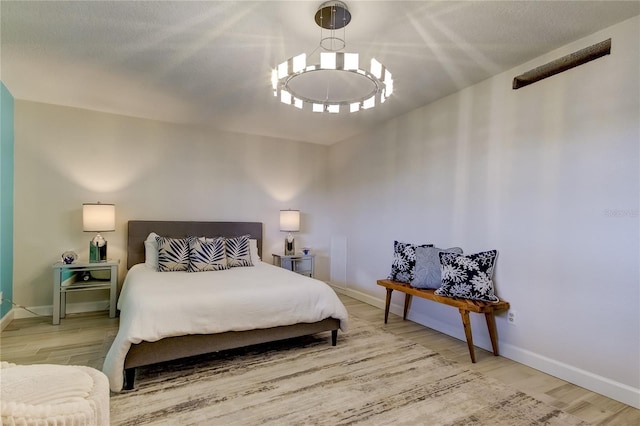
303, 264
81, 276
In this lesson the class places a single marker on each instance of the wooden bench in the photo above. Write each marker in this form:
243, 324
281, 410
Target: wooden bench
464, 306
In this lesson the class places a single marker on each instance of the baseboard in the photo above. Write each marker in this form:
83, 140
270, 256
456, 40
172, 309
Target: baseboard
363, 297
593, 382
6, 319
602, 385
72, 308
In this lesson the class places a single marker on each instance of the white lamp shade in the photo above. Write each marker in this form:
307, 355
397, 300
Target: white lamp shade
290, 220
98, 217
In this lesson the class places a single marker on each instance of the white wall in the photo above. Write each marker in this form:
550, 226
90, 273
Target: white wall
151, 171
549, 176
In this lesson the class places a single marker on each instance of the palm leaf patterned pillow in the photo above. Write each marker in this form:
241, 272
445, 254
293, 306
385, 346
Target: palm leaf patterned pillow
207, 254
468, 277
238, 253
173, 254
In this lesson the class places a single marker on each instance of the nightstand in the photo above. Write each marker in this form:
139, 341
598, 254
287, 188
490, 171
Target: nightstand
303, 264
81, 276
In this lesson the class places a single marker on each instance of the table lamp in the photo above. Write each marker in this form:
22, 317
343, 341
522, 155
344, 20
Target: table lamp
289, 222
98, 217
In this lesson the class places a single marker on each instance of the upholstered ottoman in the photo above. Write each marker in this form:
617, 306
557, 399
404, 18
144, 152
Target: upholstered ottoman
46, 394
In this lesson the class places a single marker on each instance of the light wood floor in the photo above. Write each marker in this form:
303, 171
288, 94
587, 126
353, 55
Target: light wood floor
80, 340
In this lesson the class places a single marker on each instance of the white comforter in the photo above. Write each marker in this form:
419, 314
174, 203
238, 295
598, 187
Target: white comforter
154, 305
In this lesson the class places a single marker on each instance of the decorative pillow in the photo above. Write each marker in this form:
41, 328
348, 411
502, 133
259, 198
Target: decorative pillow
207, 254
404, 261
151, 251
253, 248
468, 277
173, 254
238, 252
427, 271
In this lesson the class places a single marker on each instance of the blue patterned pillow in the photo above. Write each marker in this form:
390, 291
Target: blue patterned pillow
468, 277
427, 271
173, 254
404, 261
238, 252
207, 254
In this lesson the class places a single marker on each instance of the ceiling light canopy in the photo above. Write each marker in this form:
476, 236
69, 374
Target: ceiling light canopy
339, 82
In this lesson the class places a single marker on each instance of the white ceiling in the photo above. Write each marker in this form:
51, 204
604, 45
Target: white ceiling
209, 62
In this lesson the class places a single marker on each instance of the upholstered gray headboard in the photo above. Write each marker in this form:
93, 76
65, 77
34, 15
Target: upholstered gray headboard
139, 230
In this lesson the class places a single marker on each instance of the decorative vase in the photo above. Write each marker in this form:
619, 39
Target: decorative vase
69, 257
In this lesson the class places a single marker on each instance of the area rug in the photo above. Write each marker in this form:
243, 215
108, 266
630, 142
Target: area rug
371, 377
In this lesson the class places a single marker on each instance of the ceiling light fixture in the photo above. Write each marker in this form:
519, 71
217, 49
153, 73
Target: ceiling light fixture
337, 83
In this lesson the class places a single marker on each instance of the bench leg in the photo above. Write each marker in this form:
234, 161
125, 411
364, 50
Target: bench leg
491, 325
467, 331
407, 303
386, 305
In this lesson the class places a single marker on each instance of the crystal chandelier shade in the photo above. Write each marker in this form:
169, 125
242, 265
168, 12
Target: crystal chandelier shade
338, 82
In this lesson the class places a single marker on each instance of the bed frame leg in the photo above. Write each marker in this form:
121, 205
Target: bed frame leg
129, 378
334, 337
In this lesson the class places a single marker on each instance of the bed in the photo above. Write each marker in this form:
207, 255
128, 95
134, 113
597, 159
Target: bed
160, 320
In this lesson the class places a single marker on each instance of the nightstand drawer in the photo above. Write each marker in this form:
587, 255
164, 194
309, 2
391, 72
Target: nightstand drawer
303, 264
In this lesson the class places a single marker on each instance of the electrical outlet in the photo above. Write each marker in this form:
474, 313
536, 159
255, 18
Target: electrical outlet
512, 317
1, 298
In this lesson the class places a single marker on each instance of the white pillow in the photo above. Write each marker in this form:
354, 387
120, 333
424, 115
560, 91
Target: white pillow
151, 251
253, 248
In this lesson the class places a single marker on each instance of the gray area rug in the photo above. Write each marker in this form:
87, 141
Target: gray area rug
371, 377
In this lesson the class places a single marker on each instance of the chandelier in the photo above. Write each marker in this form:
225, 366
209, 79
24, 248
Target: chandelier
337, 83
